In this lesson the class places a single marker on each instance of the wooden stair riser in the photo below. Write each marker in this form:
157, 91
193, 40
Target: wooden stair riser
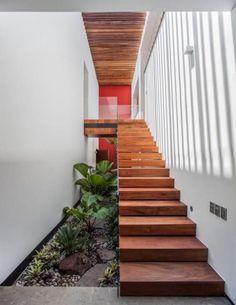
150, 208
163, 255
162, 249
141, 156
146, 182
172, 289
169, 279
134, 133
137, 149
133, 163
133, 128
158, 230
146, 194
144, 172
136, 143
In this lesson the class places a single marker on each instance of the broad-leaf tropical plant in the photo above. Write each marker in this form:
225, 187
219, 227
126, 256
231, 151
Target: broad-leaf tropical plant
88, 211
97, 181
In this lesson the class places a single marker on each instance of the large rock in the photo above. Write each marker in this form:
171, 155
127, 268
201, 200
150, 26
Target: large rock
106, 255
93, 276
76, 263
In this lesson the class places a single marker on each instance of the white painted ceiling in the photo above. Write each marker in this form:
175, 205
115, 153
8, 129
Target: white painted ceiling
115, 5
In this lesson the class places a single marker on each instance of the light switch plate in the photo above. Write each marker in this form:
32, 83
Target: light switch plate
223, 213
212, 207
217, 210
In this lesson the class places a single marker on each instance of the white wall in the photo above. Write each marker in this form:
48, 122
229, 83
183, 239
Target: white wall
41, 125
152, 22
233, 17
190, 107
115, 6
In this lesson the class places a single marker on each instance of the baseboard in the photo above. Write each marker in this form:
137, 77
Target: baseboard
229, 299
9, 281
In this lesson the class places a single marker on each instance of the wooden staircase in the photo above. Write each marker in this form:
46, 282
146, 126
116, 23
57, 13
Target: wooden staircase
159, 253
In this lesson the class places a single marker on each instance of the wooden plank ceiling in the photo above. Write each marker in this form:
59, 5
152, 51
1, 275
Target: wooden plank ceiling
114, 39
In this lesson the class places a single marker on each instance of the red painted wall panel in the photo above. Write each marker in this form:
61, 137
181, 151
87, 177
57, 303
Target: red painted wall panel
123, 94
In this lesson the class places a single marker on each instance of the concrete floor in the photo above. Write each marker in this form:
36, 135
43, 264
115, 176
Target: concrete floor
89, 296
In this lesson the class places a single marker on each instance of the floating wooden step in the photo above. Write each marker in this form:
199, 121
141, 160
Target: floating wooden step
159, 225
162, 249
140, 163
139, 156
152, 208
130, 133
136, 144
147, 141
129, 128
135, 148
146, 182
125, 122
149, 194
169, 279
144, 172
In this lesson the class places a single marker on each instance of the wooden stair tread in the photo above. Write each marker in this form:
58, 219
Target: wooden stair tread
133, 148
141, 193
146, 178
145, 168
169, 279
151, 203
160, 242
146, 182
152, 208
162, 249
140, 156
142, 163
154, 220
144, 172
149, 272
147, 189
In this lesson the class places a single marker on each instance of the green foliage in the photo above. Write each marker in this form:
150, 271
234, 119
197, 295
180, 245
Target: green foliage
103, 167
112, 221
88, 211
35, 269
110, 272
83, 169
70, 239
48, 255
97, 181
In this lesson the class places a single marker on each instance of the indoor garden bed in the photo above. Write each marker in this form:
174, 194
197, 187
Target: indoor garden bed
83, 252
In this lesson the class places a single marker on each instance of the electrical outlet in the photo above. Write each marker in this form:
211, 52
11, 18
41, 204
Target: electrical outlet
223, 213
212, 207
217, 210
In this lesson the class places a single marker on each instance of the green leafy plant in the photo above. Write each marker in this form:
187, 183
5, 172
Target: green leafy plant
112, 222
48, 255
110, 272
103, 167
97, 180
88, 211
70, 239
35, 269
